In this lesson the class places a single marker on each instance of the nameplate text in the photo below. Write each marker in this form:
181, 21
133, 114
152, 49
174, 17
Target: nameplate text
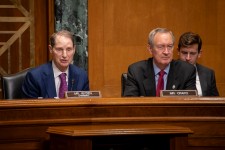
165, 93
83, 94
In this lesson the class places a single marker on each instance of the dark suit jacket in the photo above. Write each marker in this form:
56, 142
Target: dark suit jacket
40, 82
207, 81
141, 78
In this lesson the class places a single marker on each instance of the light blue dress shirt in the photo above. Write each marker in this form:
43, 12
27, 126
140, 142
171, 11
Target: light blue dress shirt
157, 70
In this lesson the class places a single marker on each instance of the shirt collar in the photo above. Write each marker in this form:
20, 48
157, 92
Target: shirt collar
157, 70
56, 71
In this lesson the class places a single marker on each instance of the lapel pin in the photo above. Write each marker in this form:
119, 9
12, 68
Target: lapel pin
173, 87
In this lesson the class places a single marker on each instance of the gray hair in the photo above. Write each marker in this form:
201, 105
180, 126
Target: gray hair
158, 30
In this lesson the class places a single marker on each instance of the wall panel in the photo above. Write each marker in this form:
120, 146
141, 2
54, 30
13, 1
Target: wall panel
23, 34
118, 31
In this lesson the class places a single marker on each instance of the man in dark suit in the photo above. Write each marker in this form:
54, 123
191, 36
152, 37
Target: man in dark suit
143, 76
189, 50
44, 81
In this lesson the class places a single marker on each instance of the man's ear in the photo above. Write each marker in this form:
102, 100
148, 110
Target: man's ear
200, 54
50, 48
149, 49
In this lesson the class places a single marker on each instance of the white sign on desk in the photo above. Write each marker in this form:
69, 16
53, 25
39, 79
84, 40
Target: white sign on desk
83, 94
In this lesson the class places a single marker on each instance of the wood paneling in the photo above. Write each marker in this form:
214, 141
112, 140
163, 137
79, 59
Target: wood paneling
118, 31
24, 34
23, 123
118, 137
16, 35
41, 25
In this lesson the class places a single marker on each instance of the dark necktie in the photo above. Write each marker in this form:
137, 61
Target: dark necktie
63, 85
160, 84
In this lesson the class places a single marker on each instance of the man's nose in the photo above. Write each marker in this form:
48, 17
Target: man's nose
166, 50
64, 53
188, 56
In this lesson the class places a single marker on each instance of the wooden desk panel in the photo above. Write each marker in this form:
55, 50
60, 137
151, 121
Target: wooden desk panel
119, 136
23, 123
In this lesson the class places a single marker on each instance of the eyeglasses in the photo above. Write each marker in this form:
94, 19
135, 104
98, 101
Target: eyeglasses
163, 47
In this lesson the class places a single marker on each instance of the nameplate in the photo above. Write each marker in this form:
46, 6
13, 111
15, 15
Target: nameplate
83, 94
166, 93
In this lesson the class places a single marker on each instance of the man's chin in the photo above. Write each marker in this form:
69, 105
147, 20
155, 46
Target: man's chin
64, 65
166, 62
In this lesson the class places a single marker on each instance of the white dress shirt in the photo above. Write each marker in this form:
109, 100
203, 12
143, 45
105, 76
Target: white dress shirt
198, 84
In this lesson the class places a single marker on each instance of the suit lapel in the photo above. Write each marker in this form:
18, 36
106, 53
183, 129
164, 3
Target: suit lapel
149, 81
73, 79
171, 78
201, 79
49, 81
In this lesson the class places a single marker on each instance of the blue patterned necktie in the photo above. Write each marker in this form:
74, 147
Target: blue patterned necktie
63, 85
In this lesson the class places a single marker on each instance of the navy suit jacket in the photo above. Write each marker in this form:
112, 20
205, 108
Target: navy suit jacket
40, 82
141, 78
207, 81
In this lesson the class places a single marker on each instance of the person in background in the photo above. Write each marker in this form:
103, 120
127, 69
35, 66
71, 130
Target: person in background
189, 50
160, 72
52, 79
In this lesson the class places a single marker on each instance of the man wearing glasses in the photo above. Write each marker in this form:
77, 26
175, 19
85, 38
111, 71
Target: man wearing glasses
160, 72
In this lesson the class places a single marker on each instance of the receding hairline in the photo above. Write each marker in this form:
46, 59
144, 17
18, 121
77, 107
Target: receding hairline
63, 33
